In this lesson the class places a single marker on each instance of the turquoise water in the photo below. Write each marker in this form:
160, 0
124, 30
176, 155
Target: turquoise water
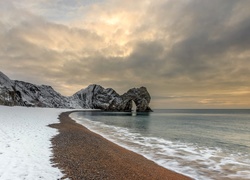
203, 144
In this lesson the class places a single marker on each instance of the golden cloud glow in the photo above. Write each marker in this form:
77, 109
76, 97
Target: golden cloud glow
178, 49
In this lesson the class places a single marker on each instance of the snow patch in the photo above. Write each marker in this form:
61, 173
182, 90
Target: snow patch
25, 147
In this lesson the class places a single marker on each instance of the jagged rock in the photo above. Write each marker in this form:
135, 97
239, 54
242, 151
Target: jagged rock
8, 94
93, 97
97, 97
5, 82
41, 96
19, 93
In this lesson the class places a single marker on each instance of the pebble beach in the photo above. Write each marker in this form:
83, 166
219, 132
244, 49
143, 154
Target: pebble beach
82, 154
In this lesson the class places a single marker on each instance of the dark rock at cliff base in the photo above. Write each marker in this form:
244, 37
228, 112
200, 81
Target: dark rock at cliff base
21, 93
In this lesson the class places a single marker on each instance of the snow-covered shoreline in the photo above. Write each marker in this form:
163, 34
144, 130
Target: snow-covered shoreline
25, 147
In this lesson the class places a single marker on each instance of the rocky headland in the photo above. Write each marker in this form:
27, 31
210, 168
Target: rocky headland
19, 93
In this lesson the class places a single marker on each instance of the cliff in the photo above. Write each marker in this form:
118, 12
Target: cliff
19, 93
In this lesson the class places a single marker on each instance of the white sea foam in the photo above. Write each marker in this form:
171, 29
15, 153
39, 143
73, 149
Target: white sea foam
186, 158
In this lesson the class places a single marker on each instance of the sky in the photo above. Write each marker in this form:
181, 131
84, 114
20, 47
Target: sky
188, 53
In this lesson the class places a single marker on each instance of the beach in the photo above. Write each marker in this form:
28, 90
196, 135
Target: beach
83, 148
25, 146
82, 154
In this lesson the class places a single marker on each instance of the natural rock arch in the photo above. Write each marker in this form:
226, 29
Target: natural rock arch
141, 97
98, 97
94, 97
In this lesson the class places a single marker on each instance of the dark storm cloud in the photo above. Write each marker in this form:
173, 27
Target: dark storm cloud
207, 38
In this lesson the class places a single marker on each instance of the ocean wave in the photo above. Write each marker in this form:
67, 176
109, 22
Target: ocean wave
185, 158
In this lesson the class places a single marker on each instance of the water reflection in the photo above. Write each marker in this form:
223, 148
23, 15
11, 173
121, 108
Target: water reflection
139, 122
106, 113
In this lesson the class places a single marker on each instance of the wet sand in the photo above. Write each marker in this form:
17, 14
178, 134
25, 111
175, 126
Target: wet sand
82, 154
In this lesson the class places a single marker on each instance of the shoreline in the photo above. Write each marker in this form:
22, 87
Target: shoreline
83, 154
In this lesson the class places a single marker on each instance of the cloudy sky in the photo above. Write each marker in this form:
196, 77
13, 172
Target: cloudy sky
188, 53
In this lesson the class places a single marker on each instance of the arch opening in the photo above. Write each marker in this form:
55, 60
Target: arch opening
134, 107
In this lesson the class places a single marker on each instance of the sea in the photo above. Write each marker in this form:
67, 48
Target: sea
204, 144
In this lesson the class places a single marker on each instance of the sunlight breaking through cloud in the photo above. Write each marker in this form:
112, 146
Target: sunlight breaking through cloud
177, 49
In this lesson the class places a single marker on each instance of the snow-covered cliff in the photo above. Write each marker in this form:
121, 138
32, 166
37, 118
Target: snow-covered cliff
21, 93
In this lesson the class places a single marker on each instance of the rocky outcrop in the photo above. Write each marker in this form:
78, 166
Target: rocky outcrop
140, 96
93, 97
97, 97
8, 94
41, 96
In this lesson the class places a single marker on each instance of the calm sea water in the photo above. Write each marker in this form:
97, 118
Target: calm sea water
203, 144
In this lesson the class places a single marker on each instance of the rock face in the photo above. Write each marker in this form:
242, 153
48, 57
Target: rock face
21, 93
8, 95
97, 97
40, 96
140, 96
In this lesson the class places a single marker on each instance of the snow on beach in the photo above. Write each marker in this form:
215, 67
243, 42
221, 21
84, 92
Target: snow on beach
25, 147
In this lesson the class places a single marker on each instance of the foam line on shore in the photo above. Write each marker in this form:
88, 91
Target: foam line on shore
83, 154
